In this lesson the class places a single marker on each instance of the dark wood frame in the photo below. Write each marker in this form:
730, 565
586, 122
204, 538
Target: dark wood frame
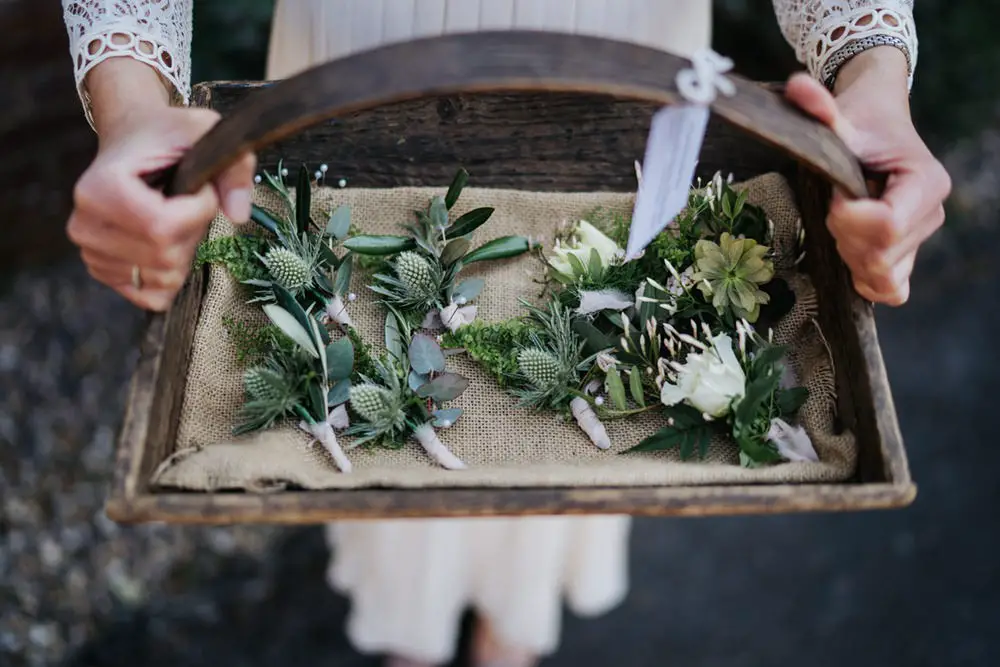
582, 139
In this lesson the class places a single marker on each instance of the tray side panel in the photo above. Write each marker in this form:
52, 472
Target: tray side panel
322, 507
848, 322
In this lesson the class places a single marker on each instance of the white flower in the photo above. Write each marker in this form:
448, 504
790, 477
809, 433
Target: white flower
585, 238
793, 442
606, 361
709, 381
678, 287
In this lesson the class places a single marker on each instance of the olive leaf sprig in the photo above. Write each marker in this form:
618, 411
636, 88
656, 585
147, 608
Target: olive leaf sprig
418, 276
309, 381
404, 397
301, 258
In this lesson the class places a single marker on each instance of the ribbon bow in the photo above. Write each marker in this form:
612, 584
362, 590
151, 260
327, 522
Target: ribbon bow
700, 82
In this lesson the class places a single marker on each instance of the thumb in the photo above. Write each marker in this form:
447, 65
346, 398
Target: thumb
812, 97
234, 186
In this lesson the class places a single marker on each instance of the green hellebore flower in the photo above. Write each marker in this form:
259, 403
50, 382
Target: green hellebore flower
730, 271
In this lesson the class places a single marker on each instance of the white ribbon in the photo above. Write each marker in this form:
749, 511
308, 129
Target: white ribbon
700, 83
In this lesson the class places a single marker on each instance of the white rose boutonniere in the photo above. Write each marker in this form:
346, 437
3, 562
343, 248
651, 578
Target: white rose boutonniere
711, 380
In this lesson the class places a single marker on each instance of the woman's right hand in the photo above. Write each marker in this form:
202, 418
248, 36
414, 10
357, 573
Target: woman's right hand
118, 220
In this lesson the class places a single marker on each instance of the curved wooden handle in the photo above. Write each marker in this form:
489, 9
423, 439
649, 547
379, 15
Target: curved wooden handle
505, 61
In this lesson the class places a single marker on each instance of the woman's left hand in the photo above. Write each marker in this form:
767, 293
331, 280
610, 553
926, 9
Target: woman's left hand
869, 110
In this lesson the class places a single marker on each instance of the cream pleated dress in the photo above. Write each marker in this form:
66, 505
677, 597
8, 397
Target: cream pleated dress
409, 581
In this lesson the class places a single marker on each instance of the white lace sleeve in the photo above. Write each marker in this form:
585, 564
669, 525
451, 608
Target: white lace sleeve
826, 33
156, 32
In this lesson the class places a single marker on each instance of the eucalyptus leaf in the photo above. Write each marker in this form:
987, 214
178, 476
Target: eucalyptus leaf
635, 386
446, 417
469, 289
393, 337
290, 326
379, 244
425, 355
303, 200
339, 224
505, 246
469, 222
616, 390
339, 359
438, 213
417, 380
455, 250
455, 189
339, 393
342, 281
445, 387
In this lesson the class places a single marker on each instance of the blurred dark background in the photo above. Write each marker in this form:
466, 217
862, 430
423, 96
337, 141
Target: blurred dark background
909, 588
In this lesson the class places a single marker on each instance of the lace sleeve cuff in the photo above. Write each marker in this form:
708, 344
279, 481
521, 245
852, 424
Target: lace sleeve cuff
838, 38
827, 33
155, 33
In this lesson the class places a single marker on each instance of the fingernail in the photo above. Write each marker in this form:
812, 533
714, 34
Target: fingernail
237, 204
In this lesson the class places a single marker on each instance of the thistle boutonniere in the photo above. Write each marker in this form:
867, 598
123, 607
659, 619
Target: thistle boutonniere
300, 257
404, 398
418, 276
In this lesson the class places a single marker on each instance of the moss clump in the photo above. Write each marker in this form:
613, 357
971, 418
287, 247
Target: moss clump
253, 341
236, 253
364, 363
495, 345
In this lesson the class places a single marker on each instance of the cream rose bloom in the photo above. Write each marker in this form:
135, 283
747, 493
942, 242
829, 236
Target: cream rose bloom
586, 237
709, 381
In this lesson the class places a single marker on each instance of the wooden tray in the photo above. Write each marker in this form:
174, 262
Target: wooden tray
530, 110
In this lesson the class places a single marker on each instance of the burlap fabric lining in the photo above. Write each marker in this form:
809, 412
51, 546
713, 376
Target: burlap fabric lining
504, 446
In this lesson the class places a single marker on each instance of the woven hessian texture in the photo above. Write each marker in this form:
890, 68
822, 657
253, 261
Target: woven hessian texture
504, 446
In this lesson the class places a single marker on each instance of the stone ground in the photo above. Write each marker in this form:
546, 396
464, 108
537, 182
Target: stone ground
909, 588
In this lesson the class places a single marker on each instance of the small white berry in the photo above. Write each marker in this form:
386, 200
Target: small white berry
445, 423
284, 172
342, 182
323, 168
257, 179
352, 297
318, 175
461, 301
599, 400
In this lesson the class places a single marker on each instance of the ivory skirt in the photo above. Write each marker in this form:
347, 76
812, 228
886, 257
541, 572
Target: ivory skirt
409, 581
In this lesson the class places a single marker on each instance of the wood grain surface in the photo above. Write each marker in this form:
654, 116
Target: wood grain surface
499, 62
